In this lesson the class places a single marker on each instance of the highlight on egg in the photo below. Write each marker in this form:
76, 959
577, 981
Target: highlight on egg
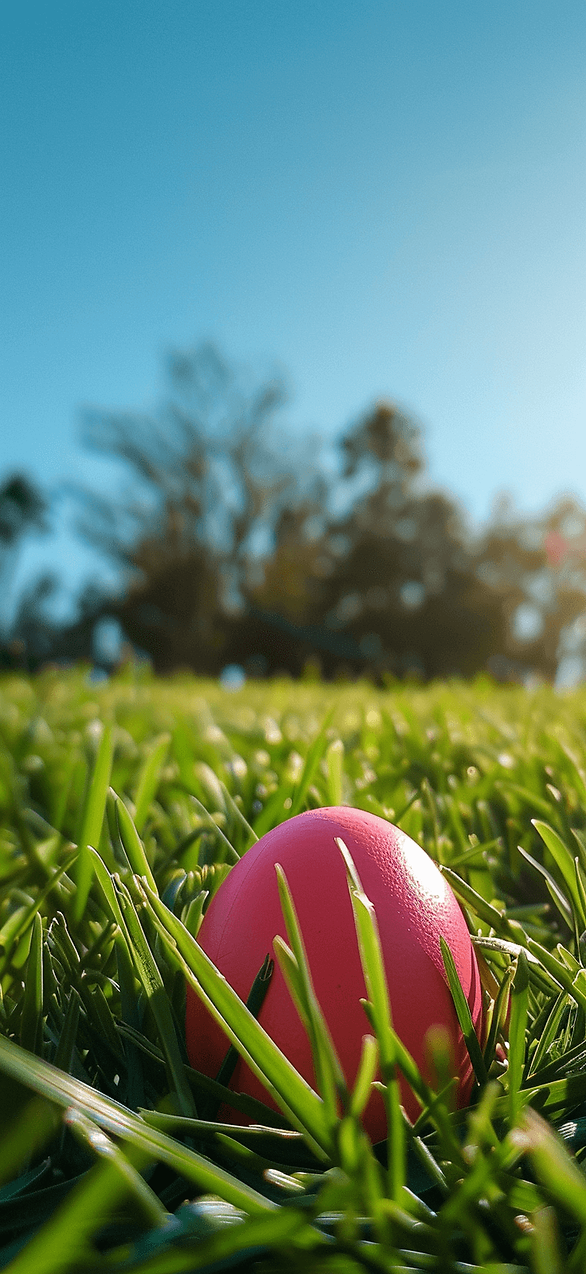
414, 906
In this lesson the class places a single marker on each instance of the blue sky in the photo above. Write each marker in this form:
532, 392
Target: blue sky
381, 198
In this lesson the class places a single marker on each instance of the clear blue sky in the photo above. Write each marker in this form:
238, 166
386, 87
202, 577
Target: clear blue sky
382, 197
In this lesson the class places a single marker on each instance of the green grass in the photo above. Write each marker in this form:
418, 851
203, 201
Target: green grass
124, 805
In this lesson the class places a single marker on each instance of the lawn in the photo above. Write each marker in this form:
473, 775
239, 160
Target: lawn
124, 805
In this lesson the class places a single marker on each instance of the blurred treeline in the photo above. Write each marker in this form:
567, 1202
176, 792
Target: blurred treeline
237, 543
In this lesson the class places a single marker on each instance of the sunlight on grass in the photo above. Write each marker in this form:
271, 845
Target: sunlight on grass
124, 806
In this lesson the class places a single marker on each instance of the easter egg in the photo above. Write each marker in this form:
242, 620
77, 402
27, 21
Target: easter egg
414, 905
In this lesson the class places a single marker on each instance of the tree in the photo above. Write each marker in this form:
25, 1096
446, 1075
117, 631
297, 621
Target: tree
22, 509
537, 566
212, 478
393, 581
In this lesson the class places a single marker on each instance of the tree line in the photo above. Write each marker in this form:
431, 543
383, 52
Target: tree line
236, 544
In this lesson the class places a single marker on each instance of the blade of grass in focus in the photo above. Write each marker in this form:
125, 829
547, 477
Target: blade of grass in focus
378, 1000
293, 960
463, 1013
517, 1030
132, 843
93, 815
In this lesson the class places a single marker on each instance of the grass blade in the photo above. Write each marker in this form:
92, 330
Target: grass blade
31, 1022
330, 1077
90, 1135
116, 1119
132, 843
552, 1164
63, 1242
93, 817
549, 1033
232, 855
559, 973
292, 1093
148, 779
14, 929
546, 1253
156, 997
66, 1047
238, 816
254, 1004
335, 770
26, 1136
479, 905
563, 859
517, 1029
312, 760
365, 1075
463, 1014
380, 1014
499, 1012
555, 892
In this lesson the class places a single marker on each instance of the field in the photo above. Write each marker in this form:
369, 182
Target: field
124, 804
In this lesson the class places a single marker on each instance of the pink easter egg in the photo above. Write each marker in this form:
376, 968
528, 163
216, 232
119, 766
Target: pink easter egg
414, 905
